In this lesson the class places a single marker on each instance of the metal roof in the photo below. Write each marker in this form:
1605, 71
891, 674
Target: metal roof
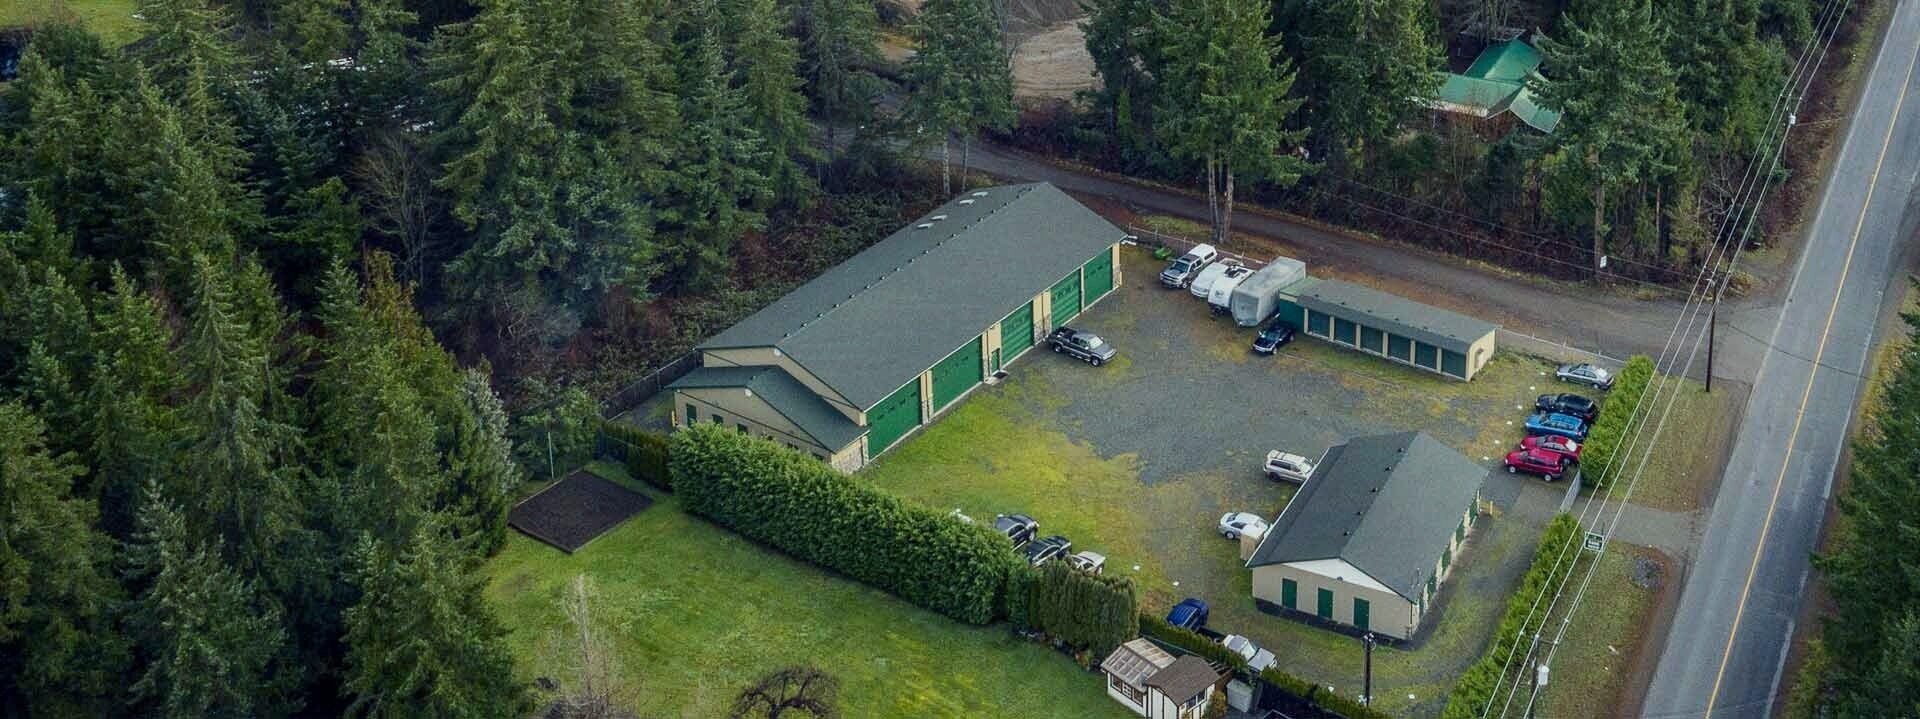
1387, 504
1447, 330
1509, 61
786, 395
872, 323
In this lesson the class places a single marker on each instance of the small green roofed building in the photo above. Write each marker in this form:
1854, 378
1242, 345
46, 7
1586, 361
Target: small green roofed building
1497, 86
1390, 326
846, 365
1369, 539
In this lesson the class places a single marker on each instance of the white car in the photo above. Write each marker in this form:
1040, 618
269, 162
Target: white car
1259, 660
1286, 466
1234, 524
1089, 562
1202, 284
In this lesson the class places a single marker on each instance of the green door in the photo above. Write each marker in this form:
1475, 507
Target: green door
1099, 275
1325, 608
1016, 331
1289, 594
896, 415
1362, 612
956, 374
1066, 299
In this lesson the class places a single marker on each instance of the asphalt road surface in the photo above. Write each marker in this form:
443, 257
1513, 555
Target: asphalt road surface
1724, 654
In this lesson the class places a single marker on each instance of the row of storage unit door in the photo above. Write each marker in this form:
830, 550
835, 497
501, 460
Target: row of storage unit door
899, 413
1386, 344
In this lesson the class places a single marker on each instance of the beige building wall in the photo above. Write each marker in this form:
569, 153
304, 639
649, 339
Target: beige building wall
1388, 614
735, 407
766, 356
1480, 353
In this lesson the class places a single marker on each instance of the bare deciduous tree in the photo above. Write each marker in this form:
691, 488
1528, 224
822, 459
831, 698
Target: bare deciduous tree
595, 687
397, 186
791, 692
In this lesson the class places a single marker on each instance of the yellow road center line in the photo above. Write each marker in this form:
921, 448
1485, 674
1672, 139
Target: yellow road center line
1767, 525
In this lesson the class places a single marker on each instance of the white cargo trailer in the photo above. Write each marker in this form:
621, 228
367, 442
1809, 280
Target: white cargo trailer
1255, 300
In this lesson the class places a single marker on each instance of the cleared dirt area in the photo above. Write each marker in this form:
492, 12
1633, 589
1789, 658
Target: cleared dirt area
1053, 64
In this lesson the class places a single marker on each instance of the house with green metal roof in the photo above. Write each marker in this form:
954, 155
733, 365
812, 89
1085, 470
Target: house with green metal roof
849, 363
1498, 84
1370, 537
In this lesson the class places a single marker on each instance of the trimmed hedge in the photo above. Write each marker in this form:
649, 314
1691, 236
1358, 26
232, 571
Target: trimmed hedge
643, 453
1611, 426
1084, 611
795, 503
1314, 694
1483, 678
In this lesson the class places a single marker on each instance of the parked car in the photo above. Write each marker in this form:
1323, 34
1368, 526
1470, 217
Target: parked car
1587, 374
1089, 562
1553, 443
1536, 461
1557, 424
1569, 404
1276, 334
1019, 528
1041, 551
1220, 293
1202, 284
1287, 466
1084, 346
1258, 659
1234, 524
1190, 613
1182, 271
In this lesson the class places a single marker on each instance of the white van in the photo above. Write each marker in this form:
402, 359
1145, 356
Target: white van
1202, 286
1221, 294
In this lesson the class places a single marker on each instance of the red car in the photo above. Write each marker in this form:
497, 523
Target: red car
1552, 443
1546, 463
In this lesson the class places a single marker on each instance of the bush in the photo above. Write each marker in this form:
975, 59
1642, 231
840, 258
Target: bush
1611, 426
1483, 678
1084, 611
1210, 650
643, 453
795, 503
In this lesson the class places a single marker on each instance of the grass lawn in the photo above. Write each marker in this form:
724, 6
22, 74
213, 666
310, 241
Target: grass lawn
699, 613
112, 19
1596, 659
1687, 456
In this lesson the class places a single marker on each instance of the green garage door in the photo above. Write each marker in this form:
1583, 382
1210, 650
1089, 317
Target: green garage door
956, 374
894, 416
1099, 275
1066, 299
1016, 332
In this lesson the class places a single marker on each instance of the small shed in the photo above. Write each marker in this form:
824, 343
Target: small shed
1154, 684
1399, 329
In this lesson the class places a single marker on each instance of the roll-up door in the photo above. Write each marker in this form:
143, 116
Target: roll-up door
1066, 299
956, 374
1016, 332
1099, 275
895, 416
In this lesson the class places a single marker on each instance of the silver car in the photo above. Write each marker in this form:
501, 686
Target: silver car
1583, 373
1234, 524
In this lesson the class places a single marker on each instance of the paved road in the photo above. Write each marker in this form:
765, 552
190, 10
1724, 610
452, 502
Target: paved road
1724, 654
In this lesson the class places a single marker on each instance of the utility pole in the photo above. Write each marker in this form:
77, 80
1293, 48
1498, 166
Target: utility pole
1366, 690
1713, 322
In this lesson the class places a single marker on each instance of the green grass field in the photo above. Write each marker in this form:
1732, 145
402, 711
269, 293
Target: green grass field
1595, 660
112, 19
698, 613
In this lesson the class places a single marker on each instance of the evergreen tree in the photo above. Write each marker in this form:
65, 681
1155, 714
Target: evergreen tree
1367, 67
1726, 74
185, 40
59, 653
1127, 60
132, 428
716, 183
765, 62
1622, 121
961, 80
207, 641
420, 641
1224, 98
839, 46
483, 475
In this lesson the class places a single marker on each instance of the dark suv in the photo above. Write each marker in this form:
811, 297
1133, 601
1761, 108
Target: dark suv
1271, 338
1568, 404
1085, 346
1018, 528
1041, 551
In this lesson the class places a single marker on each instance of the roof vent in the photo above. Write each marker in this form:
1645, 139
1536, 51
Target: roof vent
982, 193
967, 201
923, 225
937, 218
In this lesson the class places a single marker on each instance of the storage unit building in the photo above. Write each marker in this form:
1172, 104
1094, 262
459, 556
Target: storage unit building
1399, 329
1368, 540
846, 365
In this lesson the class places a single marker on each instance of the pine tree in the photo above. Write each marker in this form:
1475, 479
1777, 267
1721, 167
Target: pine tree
839, 46
206, 640
59, 653
765, 62
186, 39
960, 75
716, 183
1622, 120
131, 426
421, 641
1367, 66
482, 472
1126, 58
1726, 74
1224, 98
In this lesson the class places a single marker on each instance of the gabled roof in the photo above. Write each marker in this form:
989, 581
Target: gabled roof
1498, 82
1441, 328
1387, 504
872, 323
1475, 96
1136, 660
1507, 61
1185, 678
786, 395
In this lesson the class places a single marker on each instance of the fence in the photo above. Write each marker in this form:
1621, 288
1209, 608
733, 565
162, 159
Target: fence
1556, 351
645, 388
1180, 245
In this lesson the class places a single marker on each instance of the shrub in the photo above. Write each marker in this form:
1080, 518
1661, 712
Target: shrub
1483, 677
643, 453
1611, 426
1210, 650
794, 503
1082, 610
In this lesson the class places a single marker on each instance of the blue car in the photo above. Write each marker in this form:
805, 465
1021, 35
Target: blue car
1558, 425
1190, 613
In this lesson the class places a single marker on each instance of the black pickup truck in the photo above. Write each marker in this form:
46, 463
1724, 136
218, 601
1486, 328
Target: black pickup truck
1085, 346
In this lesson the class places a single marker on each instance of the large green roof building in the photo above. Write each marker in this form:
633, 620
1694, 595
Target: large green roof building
1497, 84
